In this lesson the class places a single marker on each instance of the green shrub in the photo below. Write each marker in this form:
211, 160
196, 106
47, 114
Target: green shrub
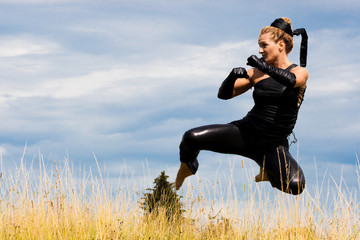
162, 197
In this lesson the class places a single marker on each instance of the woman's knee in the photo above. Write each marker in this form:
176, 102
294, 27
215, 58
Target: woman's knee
290, 183
294, 186
295, 177
297, 186
189, 138
188, 147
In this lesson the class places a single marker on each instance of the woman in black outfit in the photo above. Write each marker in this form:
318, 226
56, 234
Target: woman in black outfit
261, 135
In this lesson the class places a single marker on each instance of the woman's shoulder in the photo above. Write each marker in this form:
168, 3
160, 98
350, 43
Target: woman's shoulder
300, 70
301, 74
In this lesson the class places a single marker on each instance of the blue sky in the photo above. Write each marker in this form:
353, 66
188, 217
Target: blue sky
125, 79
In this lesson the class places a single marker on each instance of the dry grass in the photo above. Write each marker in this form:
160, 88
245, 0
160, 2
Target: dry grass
53, 204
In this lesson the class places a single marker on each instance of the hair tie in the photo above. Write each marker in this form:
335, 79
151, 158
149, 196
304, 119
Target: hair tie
283, 25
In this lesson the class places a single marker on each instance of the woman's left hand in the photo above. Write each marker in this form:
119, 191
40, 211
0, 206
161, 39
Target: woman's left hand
256, 62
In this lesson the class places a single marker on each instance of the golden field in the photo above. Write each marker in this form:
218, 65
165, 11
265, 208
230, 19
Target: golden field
54, 204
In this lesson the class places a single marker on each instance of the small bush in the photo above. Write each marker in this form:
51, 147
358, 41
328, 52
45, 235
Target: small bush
162, 196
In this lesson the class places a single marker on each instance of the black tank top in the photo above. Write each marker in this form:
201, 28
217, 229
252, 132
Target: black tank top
275, 112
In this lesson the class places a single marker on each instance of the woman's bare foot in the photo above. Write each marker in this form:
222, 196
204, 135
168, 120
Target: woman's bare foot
184, 172
262, 176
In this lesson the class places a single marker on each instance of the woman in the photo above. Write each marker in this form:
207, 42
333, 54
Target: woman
261, 135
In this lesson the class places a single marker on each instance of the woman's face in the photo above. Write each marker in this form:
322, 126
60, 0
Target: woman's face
268, 48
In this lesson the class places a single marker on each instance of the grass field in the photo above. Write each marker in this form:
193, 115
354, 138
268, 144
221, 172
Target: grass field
54, 204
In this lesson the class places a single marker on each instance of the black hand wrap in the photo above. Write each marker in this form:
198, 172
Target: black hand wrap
284, 77
227, 87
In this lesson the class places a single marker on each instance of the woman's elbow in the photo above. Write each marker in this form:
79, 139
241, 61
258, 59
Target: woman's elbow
223, 96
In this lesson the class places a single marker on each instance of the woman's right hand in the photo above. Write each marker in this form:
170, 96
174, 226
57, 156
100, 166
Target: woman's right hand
235, 84
239, 72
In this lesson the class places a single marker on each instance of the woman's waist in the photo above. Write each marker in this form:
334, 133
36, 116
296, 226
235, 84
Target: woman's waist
279, 118
265, 126
265, 134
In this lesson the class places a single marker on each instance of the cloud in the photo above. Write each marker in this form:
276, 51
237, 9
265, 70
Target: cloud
348, 4
14, 46
131, 30
143, 78
28, 2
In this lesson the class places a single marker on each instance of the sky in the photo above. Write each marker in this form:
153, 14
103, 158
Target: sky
119, 82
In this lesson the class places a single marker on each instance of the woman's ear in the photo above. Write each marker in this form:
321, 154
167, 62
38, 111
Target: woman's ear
281, 45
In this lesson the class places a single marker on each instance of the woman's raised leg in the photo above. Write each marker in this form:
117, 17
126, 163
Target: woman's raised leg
222, 138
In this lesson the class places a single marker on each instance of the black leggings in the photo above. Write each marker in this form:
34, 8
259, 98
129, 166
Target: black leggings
281, 168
